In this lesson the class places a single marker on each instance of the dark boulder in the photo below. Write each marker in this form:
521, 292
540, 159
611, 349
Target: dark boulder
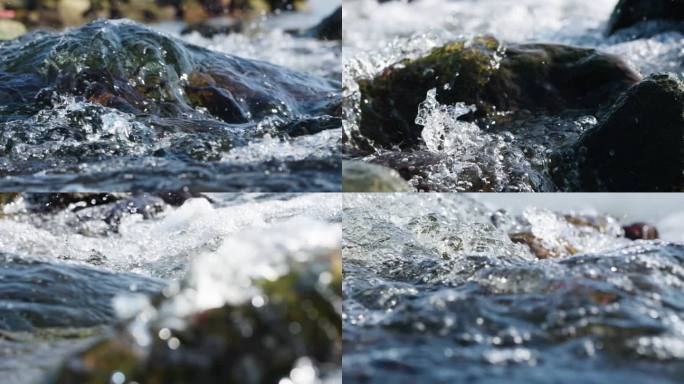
493, 77
630, 12
329, 28
639, 143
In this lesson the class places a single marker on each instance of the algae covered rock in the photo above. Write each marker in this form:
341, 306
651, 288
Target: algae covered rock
639, 144
293, 322
365, 177
630, 12
494, 78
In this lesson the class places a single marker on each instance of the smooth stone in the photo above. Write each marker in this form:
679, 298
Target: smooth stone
10, 29
631, 12
365, 177
638, 146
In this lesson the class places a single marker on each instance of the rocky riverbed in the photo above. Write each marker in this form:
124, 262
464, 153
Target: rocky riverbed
547, 96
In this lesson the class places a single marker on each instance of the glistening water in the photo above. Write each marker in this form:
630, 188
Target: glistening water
116, 105
439, 288
456, 155
76, 268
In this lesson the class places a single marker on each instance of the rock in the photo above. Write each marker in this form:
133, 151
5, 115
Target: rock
555, 235
329, 28
492, 77
126, 66
415, 166
214, 27
298, 318
143, 10
51, 202
284, 5
73, 12
641, 231
364, 177
639, 144
48, 295
630, 12
10, 29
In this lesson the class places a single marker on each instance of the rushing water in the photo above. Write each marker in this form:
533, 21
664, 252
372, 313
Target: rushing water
464, 156
436, 290
115, 105
69, 271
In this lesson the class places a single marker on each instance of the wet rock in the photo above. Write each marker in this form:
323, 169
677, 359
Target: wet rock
415, 166
554, 235
637, 145
10, 29
630, 12
37, 294
329, 28
641, 231
214, 27
492, 77
126, 66
296, 321
364, 177
50, 202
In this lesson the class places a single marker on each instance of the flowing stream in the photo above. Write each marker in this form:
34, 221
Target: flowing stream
456, 155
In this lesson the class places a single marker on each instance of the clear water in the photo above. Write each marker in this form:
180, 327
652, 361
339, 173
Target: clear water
68, 274
64, 125
488, 159
436, 291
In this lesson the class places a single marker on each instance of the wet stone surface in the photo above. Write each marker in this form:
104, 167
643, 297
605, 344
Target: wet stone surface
113, 105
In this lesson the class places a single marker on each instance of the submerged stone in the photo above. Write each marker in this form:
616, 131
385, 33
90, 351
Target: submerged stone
638, 145
296, 319
631, 12
492, 77
365, 177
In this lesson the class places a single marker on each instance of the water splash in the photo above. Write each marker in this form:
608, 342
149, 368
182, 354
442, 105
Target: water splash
436, 289
521, 153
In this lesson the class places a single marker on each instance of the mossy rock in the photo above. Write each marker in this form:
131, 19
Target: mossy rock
300, 316
492, 77
358, 176
638, 146
628, 13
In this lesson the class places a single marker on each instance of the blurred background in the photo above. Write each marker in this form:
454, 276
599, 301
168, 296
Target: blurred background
19, 16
